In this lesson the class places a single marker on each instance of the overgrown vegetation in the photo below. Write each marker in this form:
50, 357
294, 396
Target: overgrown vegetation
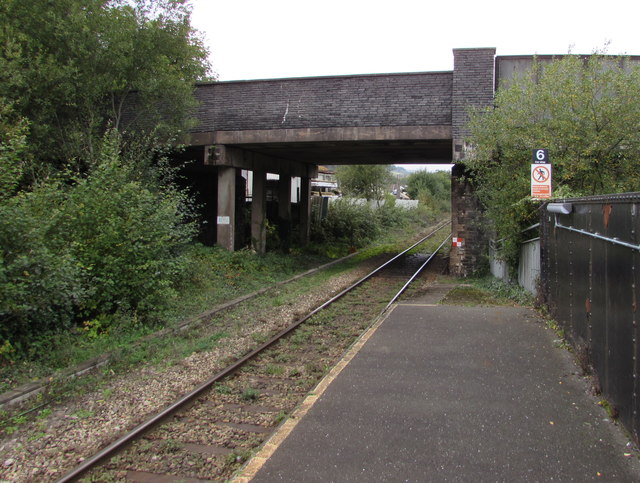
356, 220
351, 224
72, 68
90, 252
586, 111
368, 181
488, 291
92, 230
212, 275
431, 189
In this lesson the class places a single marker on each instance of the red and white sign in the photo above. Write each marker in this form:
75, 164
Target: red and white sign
541, 181
456, 242
540, 174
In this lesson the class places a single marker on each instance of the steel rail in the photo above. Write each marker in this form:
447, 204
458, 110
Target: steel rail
404, 287
145, 426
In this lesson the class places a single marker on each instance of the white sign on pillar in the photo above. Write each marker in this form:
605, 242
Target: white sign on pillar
540, 175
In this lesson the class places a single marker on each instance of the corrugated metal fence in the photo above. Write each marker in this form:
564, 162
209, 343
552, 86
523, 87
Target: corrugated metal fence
529, 262
590, 270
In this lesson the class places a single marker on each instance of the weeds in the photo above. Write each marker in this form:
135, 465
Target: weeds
223, 388
611, 410
281, 416
82, 414
274, 370
488, 291
250, 394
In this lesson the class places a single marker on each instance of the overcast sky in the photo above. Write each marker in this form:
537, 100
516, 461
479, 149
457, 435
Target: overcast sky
262, 39
257, 39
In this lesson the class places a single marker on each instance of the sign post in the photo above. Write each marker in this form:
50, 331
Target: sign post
540, 175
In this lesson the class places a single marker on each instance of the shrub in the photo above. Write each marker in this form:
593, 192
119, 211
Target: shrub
40, 285
126, 237
103, 244
347, 222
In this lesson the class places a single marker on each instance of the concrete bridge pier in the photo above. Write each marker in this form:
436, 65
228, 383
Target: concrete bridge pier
284, 212
229, 160
225, 225
259, 212
305, 209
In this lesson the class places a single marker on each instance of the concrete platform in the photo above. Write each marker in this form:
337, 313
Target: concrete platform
450, 393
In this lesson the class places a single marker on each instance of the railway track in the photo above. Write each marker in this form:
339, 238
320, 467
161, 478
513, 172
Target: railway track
210, 432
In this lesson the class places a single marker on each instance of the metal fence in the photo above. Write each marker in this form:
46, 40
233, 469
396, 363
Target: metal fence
528, 264
590, 257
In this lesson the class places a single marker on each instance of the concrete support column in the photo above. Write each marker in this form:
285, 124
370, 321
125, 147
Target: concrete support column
259, 212
305, 210
284, 212
225, 222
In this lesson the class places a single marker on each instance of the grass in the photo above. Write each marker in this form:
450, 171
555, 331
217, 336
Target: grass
488, 291
250, 394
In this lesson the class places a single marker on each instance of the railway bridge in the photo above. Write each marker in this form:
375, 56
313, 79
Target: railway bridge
290, 126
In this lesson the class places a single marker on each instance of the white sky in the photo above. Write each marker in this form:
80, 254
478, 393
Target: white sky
261, 39
257, 39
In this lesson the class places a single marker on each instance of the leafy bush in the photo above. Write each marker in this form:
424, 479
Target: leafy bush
105, 244
127, 238
351, 224
40, 286
347, 222
584, 110
432, 189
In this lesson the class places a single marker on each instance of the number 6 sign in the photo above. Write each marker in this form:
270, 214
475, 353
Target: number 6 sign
540, 174
541, 156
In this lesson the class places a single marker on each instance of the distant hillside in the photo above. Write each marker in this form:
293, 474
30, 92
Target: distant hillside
399, 170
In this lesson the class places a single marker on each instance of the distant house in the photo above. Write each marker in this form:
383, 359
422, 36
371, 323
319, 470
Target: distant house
326, 183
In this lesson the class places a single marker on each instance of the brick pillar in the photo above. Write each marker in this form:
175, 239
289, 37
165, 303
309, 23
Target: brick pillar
467, 223
473, 86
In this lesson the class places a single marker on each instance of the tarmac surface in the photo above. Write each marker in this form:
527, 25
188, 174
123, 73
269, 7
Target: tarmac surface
452, 393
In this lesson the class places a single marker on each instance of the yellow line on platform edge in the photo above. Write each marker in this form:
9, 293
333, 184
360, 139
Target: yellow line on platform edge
251, 468
419, 305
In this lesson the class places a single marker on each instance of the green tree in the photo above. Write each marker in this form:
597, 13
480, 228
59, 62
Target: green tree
366, 181
110, 243
436, 185
13, 144
72, 68
90, 230
586, 111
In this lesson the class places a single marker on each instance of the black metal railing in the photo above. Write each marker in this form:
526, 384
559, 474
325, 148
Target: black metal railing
590, 273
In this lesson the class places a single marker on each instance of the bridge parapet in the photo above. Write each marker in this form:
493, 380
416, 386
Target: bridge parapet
414, 99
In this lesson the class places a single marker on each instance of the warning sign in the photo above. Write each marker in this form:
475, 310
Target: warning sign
540, 175
456, 242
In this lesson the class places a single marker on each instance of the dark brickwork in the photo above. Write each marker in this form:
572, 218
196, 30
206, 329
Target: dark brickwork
473, 86
419, 99
468, 223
